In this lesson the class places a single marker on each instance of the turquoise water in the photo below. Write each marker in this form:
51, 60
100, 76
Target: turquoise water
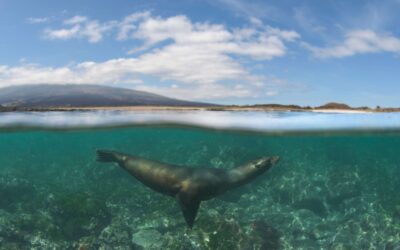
331, 190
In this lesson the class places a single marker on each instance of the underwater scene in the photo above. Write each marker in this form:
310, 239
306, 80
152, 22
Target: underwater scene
331, 189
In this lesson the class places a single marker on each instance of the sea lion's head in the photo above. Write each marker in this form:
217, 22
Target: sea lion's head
264, 163
247, 172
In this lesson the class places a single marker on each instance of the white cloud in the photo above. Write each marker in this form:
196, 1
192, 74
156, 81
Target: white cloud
255, 21
62, 33
186, 64
359, 42
112, 71
193, 60
259, 42
35, 20
128, 72
258, 87
116, 71
94, 31
76, 20
197, 52
262, 42
81, 27
127, 24
201, 92
271, 93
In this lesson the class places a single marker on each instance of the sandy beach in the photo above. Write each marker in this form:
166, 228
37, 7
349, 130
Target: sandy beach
341, 111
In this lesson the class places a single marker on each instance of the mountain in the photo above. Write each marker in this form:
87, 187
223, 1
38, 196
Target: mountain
74, 95
334, 105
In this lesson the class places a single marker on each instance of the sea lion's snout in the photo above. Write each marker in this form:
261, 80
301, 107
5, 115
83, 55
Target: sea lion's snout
274, 159
266, 162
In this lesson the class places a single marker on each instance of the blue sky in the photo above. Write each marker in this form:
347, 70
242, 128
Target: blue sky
223, 51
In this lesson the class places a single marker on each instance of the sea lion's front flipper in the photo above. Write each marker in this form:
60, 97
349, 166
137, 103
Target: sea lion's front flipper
189, 206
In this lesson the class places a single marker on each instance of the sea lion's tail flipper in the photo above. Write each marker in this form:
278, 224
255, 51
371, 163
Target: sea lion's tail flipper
106, 156
189, 207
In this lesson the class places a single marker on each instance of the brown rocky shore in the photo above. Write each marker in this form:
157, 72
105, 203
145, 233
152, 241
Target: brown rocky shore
327, 108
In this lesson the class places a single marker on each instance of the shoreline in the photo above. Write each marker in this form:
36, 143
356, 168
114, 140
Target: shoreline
198, 108
343, 111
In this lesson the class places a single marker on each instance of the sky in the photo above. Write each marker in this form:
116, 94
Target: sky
222, 51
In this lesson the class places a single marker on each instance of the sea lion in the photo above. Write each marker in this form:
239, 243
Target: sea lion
189, 186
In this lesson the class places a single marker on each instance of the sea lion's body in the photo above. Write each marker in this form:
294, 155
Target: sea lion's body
189, 186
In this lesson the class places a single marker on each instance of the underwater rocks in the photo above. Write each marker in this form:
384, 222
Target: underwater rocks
326, 209
320, 194
15, 192
28, 231
342, 186
147, 239
10, 235
116, 236
396, 213
30, 218
314, 205
78, 214
268, 236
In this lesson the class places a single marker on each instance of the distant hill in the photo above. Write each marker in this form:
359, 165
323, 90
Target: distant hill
278, 106
74, 95
334, 105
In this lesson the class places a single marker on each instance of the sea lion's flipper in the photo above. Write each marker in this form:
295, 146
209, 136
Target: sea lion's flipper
189, 207
106, 156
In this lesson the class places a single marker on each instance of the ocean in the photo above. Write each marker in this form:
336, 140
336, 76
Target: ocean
336, 185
